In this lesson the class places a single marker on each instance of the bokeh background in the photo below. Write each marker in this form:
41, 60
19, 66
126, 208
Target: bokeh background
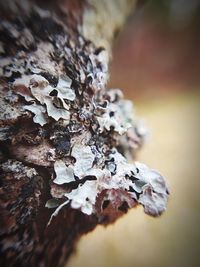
156, 61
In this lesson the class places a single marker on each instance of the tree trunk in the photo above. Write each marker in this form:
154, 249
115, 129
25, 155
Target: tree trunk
63, 136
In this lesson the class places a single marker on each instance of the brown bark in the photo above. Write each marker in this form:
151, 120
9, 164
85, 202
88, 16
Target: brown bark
54, 64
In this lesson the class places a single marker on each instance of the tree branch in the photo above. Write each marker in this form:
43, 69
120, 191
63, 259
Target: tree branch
64, 137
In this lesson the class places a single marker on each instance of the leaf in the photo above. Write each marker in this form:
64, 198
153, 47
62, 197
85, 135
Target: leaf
52, 203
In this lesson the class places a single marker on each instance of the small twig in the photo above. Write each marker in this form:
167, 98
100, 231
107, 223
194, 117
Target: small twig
55, 213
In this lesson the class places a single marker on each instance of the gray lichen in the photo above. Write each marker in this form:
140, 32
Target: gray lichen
70, 123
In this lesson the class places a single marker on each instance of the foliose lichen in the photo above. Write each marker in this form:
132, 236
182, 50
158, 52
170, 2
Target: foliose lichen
53, 91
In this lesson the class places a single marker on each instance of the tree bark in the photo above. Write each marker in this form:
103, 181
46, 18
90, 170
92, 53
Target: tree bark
54, 69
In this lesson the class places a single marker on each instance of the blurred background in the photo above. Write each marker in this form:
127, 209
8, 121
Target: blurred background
156, 62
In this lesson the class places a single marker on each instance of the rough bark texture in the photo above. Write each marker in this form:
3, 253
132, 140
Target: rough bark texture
62, 133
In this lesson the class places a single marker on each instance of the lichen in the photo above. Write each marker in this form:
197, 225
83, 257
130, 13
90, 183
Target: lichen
64, 174
85, 135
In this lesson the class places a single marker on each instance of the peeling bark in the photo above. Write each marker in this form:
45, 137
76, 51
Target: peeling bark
64, 137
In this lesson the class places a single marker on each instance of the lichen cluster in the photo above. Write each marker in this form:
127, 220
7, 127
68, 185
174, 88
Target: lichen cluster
57, 114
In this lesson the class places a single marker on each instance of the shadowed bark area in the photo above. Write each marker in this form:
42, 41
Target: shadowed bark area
64, 137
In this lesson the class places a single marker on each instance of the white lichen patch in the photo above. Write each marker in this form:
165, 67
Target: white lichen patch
144, 185
64, 174
84, 197
40, 88
56, 113
117, 116
64, 82
39, 113
35, 86
105, 169
84, 159
66, 93
154, 203
151, 177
